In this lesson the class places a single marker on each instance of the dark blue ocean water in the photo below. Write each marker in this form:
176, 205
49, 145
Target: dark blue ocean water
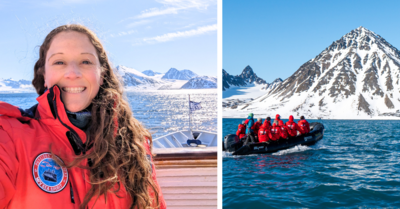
162, 112
355, 165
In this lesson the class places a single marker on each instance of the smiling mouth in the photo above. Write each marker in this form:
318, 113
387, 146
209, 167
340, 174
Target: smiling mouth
74, 90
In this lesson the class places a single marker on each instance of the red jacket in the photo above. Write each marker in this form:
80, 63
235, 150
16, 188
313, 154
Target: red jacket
29, 177
284, 130
275, 133
256, 127
241, 132
292, 127
263, 132
304, 126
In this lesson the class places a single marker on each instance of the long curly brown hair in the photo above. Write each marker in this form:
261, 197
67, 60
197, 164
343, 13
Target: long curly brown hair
118, 153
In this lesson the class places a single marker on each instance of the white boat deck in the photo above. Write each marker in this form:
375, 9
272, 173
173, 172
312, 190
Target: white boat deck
179, 139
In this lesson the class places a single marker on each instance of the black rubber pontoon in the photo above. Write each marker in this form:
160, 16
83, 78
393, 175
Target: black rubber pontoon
234, 145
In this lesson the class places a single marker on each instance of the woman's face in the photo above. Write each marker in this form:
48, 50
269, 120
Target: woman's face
72, 63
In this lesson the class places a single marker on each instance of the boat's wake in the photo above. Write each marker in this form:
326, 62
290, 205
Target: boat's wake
298, 148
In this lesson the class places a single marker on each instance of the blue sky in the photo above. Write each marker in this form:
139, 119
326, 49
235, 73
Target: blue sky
276, 37
145, 34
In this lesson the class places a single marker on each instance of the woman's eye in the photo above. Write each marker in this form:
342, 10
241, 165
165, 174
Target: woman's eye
59, 63
86, 62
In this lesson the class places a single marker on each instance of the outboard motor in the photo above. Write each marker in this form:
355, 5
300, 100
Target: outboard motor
230, 140
316, 126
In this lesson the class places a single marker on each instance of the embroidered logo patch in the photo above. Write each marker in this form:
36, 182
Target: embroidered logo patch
48, 175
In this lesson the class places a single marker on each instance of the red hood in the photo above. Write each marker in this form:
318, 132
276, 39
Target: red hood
277, 116
280, 123
265, 124
50, 110
291, 118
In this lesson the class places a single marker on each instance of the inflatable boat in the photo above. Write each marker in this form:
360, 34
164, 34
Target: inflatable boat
233, 144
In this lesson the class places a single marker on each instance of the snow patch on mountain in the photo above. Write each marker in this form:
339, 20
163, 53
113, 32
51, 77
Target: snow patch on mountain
173, 85
201, 82
134, 79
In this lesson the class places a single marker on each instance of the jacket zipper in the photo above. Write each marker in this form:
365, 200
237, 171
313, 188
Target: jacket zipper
72, 192
75, 136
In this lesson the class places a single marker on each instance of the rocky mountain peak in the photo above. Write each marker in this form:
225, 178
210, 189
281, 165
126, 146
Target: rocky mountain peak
278, 80
150, 73
173, 73
250, 77
359, 71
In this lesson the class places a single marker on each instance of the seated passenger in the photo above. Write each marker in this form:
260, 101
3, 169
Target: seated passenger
241, 132
292, 127
275, 133
263, 132
249, 130
256, 126
268, 120
277, 119
284, 130
303, 125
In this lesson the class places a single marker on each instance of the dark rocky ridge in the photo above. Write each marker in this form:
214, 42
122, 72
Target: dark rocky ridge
363, 105
229, 80
246, 77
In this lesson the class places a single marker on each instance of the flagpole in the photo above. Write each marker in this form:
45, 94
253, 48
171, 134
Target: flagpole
190, 112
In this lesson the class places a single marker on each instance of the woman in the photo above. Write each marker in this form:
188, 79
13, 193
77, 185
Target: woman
80, 146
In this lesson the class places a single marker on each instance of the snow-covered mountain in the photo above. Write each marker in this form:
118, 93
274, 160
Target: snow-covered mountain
16, 86
132, 79
201, 82
175, 74
136, 79
246, 77
150, 73
230, 80
357, 76
243, 88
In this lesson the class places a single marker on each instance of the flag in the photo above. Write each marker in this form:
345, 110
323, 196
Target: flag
194, 106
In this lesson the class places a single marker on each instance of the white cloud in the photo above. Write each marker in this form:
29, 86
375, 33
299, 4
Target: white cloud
199, 4
181, 34
123, 33
137, 23
60, 3
157, 12
173, 6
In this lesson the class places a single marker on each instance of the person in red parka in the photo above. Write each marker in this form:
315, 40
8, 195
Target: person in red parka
241, 132
292, 127
303, 125
80, 146
284, 130
256, 126
268, 120
264, 132
277, 119
275, 133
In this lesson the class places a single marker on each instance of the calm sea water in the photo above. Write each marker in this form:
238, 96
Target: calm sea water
162, 112
355, 165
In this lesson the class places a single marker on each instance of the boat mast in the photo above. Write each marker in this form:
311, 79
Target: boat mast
190, 112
